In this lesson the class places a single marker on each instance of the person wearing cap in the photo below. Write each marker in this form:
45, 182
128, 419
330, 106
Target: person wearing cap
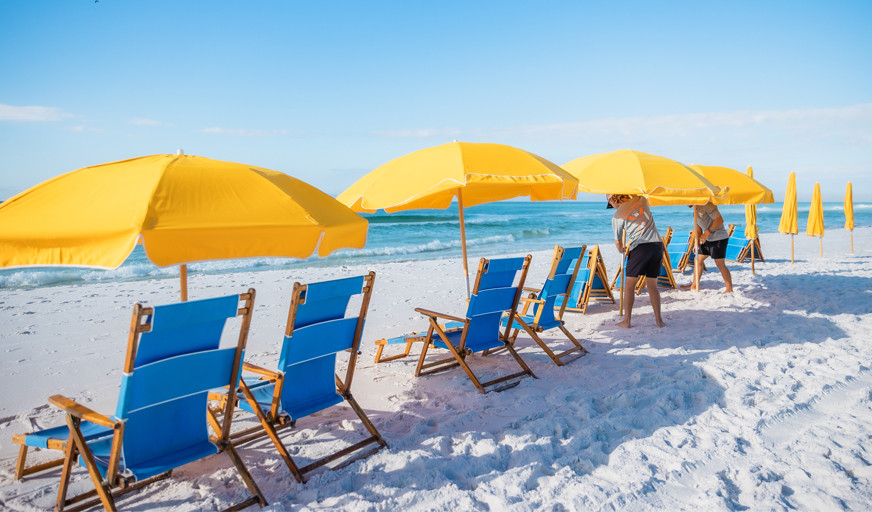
645, 250
713, 239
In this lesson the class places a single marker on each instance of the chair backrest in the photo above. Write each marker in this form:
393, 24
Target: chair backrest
679, 252
173, 360
736, 246
494, 293
319, 327
564, 271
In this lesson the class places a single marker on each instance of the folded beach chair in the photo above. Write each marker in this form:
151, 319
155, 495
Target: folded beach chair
318, 328
590, 284
163, 417
681, 254
739, 249
618, 280
667, 238
665, 279
493, 295
537, 312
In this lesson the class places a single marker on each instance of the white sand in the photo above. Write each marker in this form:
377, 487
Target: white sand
759, 399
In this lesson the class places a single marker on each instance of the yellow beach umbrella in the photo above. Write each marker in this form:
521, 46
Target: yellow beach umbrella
738, 187
849, 214
788, 224
474, 173
751, 221
662, 180
815, 226
182, 209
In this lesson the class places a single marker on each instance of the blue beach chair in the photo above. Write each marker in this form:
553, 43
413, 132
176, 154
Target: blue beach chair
493, 295
163, 417
306, 381
681, 253
537, 312
590, 283
740, 248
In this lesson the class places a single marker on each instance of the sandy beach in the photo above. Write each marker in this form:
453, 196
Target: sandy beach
756, 400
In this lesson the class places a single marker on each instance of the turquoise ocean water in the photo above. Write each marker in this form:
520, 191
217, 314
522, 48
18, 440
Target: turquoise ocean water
491, 229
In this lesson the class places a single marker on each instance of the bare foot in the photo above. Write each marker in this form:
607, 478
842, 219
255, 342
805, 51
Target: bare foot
727, 291
659, 323
687, 287
625, 323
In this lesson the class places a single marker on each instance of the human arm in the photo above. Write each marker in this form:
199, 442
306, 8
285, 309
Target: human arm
717, 223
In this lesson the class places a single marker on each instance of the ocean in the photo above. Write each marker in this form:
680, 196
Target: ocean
491, 229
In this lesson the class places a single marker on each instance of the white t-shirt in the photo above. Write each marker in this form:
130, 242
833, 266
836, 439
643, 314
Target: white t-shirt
634, 217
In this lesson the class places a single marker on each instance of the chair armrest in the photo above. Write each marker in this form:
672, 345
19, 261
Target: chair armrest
532, 299
534, 290
253, 368
433, 314
80, 411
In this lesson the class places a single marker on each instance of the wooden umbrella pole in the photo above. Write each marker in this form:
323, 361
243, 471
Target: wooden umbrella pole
753, 250
852, 241
183, 281
623, 271
822, 246
791, 247
463, 240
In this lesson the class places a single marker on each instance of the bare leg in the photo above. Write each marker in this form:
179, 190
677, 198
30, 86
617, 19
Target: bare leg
629, 298
697, 273
654, 294
725, 272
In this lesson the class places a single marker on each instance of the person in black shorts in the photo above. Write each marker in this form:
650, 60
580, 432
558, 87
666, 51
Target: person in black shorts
713, 240
633, 220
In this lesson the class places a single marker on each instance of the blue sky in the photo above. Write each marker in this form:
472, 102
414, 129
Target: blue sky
327, 91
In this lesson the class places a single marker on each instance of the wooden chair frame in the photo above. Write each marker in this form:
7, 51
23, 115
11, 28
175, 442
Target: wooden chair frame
596, 267
460, 352
533, 329
273, 420
105, 491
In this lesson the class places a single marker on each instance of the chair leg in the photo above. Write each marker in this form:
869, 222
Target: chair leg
381, 346
246, 477
424, 351
271, 432
78, 439
19, 466
70, 454
532, 333
462, 362
520, 361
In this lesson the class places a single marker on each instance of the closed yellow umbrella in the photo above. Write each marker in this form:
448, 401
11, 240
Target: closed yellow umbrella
815, 226
474, 173
751, 222
662, 180
788, 224
181, 208
849, 214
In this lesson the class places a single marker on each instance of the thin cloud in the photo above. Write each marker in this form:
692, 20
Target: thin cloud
30, 113
856, 119
141, 121
420, 133
244, 133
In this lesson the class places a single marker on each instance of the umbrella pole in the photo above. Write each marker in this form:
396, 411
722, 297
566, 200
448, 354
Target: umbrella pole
791, 248
463, 240
753, 250
852, 241
183, 281
822, 246
623, 274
